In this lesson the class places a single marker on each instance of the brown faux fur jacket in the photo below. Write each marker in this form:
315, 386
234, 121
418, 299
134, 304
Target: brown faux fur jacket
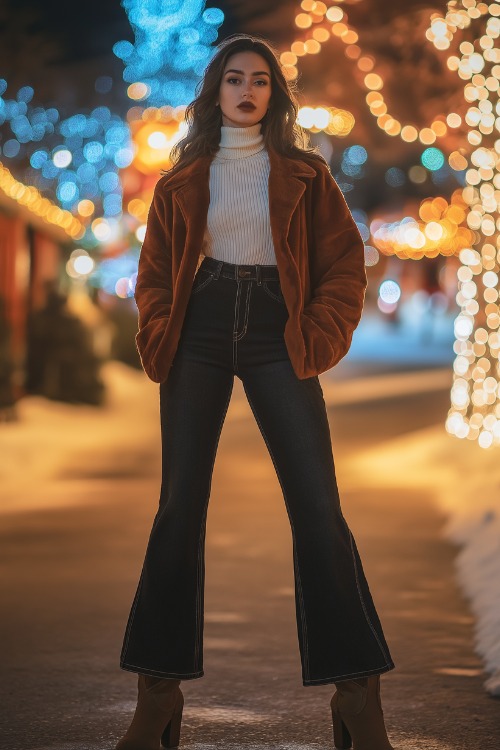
319, 254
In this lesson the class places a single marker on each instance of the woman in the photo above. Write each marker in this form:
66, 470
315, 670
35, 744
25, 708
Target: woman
275, 300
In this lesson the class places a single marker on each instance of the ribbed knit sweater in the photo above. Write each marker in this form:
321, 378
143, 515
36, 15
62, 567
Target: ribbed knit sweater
238, 228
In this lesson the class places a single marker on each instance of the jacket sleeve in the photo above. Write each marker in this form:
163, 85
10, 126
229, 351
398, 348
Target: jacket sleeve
337, 276
153, 291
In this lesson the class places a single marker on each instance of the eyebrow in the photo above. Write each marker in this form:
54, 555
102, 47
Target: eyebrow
255, 73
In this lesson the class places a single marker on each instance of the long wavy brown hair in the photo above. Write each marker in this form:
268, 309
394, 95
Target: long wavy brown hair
279, 125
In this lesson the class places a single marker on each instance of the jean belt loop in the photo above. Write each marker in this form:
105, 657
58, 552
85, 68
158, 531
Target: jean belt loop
258, 274
218, 269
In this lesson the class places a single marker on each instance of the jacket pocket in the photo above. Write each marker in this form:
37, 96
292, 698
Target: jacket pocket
148, 340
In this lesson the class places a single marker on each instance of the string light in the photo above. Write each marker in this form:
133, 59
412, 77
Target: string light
440, 230
475, 394
32, 199
73, 160
331, 120
318, 24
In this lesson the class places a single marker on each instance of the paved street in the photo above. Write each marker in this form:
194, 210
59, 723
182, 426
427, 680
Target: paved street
70, 566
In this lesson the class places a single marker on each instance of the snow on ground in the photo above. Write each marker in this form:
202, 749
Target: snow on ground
465, 480
50, 436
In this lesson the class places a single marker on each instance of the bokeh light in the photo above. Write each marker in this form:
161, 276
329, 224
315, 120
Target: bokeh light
171, 50
475, 395
389, 291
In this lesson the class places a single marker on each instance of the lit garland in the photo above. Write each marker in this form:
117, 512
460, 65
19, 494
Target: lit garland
74, 160
332, 120
439, 231
475, 394
320, 23
33, 200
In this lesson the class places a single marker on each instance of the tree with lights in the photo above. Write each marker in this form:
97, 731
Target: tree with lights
475, 395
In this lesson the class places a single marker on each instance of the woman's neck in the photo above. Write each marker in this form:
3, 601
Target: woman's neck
236, 143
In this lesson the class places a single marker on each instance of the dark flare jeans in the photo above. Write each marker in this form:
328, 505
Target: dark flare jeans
234, 325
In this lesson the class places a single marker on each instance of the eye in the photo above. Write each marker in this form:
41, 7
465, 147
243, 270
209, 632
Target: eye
262, 81
229, 80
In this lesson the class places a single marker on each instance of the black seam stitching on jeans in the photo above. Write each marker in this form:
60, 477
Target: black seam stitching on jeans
302, 608
235, 325
384, 654
132, 613
218, 270
271, 294
195, 290
198, 567
295, 554
245, 318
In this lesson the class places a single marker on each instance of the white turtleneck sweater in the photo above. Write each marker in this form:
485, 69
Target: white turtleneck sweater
238, 228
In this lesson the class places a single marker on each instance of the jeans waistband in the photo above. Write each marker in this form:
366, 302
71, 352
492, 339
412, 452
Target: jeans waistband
239, 272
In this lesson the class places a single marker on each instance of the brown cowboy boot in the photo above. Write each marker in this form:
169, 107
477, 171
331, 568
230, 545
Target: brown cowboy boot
357, 715
157, 717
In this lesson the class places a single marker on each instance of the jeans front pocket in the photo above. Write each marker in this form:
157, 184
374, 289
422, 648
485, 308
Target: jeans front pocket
201, 280
272, 288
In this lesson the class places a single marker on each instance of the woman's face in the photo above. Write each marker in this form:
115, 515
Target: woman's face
246, 78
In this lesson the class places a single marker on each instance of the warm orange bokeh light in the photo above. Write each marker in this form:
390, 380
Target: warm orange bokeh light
154, 141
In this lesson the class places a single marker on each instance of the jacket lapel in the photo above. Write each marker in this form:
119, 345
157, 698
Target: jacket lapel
286, 187
287, 183
191, 193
